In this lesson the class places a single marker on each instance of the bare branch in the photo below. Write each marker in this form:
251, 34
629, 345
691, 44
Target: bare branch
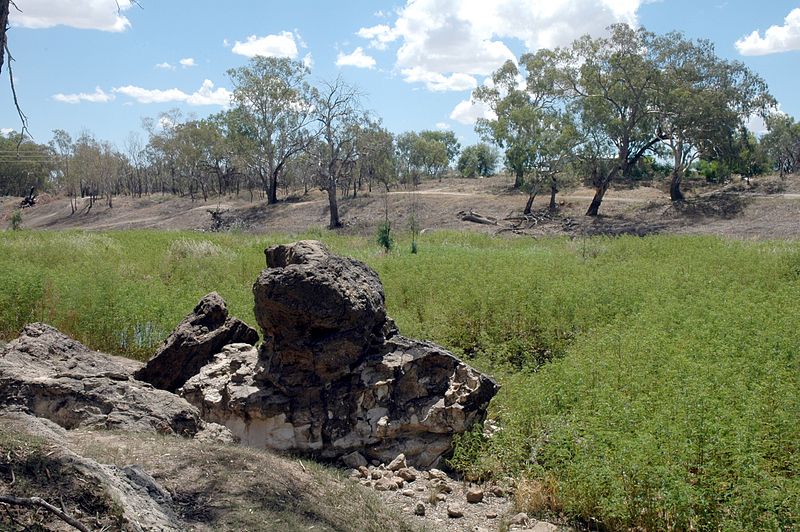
36, 501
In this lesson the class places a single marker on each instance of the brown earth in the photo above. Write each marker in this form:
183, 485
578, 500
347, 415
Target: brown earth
766, 207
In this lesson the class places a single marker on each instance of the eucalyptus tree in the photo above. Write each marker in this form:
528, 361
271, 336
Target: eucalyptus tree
477, 160
782, 143
421, 154
612, 84
24, 164
702, 101
339, 116
275, 103
530, 121
447, 139
376, 156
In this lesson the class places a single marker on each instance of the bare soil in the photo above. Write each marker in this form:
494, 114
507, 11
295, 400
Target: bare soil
765, 208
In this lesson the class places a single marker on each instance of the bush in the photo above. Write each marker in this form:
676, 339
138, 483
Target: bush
16, 220
385, 237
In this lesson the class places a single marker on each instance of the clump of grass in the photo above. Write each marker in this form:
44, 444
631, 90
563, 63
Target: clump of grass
384, 236
16, 220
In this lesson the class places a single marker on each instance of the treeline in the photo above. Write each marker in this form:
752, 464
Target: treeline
629, 105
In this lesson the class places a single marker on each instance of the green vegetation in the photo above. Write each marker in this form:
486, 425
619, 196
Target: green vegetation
647, 382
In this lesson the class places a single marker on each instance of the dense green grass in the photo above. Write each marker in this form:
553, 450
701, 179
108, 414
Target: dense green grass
650, 383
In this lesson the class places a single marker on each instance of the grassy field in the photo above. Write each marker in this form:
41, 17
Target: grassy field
648, 383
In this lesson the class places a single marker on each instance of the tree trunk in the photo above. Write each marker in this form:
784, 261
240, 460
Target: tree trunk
272, 192
553, 192
518, 178
4, 4
529, 205
594, 207
675, 193
334, 205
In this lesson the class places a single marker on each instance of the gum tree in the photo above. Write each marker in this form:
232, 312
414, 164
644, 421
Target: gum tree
274, 102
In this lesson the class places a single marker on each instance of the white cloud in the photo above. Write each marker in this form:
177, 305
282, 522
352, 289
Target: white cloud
281, 45
468, 37
105, 15
165, 66
205, 95
776, 39
379, 36
442, 125
308, 61
98, 96
438, 82
6, 131
468, 112
187, 62
356, 59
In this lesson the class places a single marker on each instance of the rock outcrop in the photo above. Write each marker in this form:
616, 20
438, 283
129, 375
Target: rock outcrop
193, 344
47, 374
332, 376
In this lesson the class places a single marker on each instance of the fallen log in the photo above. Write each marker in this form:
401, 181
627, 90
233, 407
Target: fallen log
472, 216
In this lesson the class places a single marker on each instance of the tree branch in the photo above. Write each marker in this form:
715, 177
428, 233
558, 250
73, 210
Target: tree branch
36, 501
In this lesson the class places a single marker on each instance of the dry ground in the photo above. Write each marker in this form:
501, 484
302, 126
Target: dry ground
765, 208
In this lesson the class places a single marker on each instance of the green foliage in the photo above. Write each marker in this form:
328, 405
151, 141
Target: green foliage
384, 236
16, 220
477, 160
650, 384
23, 165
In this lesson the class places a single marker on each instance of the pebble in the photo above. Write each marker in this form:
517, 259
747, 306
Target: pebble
454, 512
398, 463
419, 509
474, 495
408, 493
519, 519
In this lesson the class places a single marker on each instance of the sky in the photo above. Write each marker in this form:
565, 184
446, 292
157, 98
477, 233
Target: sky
103, 65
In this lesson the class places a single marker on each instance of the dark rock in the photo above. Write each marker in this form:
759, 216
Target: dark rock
47, 374
193, 344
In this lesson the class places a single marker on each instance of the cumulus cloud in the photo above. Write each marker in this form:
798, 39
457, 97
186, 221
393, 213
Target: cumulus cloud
105, 15
187, 62
438, 82
280, 45
357, 58
205, 95
98, 96
308, 61
442, 125
6, 131
776, 39
468, 37
469, 111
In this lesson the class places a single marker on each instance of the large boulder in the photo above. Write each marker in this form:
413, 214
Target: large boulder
194, 342
47, 374
332, 375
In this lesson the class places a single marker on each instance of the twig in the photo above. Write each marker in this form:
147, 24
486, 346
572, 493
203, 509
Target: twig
22, 117
36, 501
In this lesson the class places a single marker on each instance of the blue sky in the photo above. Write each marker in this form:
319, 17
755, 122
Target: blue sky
85, 65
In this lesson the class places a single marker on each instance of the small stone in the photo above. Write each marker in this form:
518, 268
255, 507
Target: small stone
354, 460
519, 519
419, 509
398, 463
497, 491
441, 497
363, 471
386, 484
399, 482
408, 493
376, 475
407, 474
355, 473
437, 473
419, 488
491, 515
454, 512
474, 495
366, 483
542, 526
